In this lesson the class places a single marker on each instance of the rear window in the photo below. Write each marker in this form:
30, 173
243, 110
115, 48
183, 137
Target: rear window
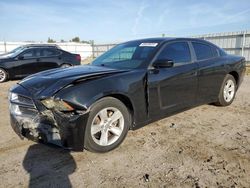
47, 52
222, 52
204, 51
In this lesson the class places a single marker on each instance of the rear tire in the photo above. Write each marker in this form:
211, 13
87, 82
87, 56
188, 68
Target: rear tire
107, 126
227, 91
3, 75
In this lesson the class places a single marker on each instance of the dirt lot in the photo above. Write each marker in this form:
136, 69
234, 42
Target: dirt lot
206, 146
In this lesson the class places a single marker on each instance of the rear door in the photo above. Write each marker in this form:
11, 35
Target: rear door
49, 59
211, 71
26, 62
174, 88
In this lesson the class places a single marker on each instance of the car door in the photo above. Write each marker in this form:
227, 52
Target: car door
174, 88
26, 62
49, 59
211, 71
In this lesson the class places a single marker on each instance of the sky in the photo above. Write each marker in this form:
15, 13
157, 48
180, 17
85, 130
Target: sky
107, 21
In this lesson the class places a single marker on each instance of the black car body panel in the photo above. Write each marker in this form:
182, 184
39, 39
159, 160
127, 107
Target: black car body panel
47, 83
43, 58
149, 93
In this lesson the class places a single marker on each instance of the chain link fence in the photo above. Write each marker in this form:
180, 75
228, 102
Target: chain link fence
237, 43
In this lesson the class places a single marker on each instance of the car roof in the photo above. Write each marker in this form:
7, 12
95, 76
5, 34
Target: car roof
168, 39
41, 45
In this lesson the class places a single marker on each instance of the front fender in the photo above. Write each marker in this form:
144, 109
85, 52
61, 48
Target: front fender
131, 85
84, 94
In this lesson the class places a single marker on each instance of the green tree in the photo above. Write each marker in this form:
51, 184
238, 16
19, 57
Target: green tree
51, 40
76, 39
85, 41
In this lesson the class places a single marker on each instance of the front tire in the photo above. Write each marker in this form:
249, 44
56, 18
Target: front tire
107, 126
65, 65
3, 75
227, 92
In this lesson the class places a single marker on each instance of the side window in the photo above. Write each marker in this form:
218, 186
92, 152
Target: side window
29, 54
37, 53
215, 52
177, 52
47, 52
204, 51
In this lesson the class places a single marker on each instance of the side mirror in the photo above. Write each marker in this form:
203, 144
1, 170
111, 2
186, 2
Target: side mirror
20, 57
163, 63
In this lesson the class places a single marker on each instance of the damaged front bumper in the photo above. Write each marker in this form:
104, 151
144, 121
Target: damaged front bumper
30, 119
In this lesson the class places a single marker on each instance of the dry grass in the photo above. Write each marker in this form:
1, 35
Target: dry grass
207, 146
248, 70
87, 60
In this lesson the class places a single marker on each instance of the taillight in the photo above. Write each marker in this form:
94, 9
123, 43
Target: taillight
78, 57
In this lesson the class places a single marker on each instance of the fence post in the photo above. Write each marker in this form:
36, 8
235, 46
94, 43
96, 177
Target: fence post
243, 43
5, 48
93, 50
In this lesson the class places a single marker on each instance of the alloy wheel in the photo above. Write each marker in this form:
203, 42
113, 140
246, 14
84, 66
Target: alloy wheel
107, 126
2, 75
229, 90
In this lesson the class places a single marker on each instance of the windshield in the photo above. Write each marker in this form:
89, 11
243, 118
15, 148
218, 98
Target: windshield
14, 52
129, 55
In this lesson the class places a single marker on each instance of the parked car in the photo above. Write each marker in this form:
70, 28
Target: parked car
128, 87
29, 59
29, 45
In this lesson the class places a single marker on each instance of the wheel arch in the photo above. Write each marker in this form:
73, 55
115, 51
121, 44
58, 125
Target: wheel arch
4, 69
125, 100
235, 75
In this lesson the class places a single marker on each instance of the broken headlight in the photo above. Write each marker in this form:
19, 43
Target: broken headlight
59, 105
20, 105
15, 109
15, 98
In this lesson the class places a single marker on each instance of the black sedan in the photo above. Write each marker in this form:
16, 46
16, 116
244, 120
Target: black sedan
128, 87
29, 59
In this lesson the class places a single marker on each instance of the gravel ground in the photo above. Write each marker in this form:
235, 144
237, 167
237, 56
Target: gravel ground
207, 146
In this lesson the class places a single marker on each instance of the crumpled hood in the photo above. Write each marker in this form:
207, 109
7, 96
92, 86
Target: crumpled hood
47, 83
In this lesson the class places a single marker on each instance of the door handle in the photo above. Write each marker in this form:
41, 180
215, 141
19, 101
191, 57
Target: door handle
153, 71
